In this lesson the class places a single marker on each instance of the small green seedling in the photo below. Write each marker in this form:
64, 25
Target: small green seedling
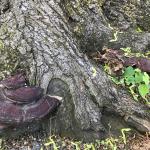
51, 142
77, 145
138, 30
89, 147
137, 81
107, 69
128, 52
123, 134
115, 37
110, 143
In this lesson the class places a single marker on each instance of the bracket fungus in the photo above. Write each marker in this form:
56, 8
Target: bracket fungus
20, 103
117, 60
140, 62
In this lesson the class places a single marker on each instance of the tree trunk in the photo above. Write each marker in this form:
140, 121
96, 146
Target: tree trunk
49, 38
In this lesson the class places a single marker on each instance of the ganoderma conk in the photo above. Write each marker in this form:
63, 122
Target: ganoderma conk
20, 103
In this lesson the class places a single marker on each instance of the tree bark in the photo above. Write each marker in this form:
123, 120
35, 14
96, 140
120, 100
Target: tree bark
51, 37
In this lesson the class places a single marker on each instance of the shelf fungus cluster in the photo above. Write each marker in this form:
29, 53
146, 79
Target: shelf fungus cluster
20, 103
116, 60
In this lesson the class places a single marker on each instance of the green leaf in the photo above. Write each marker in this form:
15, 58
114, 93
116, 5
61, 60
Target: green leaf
143, 90
130, 80
146, 78
121, 81
137, 70
138, 77
129, 71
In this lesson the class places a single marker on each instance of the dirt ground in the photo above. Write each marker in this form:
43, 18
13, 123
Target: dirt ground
43, 142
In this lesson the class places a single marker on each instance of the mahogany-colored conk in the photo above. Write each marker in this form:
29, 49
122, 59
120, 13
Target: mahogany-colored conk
140, 62
116, 59
20, 103
13, 82
23, 94
14, 114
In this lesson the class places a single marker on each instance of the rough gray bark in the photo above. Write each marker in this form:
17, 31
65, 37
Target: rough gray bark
51, 40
